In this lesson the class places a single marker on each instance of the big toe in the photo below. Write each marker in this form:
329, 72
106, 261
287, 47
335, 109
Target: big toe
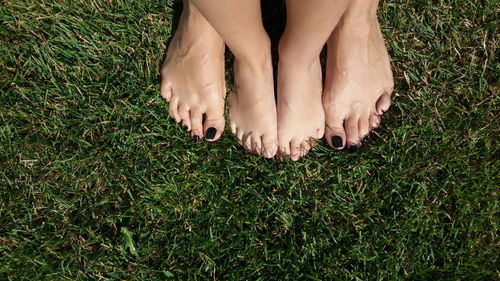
334, 132
383, 103
213, 125
269, 146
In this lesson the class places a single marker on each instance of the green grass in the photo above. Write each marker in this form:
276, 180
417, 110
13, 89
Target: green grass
96, 182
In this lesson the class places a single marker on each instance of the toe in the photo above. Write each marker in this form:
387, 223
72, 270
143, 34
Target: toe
374, 121
305, 148
173, 109
256, 145
320, 132
214, 125
165, 89
295, 150
269, 146
284, 150
335, 133
186, 123
247, 142
233, 128
352, 133
364, 125
239, 135
383, 103
184, 115
196, 117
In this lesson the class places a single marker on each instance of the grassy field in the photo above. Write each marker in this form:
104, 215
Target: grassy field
97, 183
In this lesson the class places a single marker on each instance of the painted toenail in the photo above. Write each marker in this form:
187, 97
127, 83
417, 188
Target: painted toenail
196, 137
337, 141
352, 148
210, 133
268, 154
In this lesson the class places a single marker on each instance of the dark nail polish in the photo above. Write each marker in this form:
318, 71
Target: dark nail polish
210, 134
196, 137
352, 148
366, 138
337, 141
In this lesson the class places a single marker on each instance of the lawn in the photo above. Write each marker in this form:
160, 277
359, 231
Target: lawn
97, 183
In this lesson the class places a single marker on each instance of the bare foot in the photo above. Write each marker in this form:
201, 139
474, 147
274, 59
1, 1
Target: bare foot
301, 119
253, 108
193, 77
358, 82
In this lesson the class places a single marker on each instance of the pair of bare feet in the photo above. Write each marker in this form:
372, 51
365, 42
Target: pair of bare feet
343, 109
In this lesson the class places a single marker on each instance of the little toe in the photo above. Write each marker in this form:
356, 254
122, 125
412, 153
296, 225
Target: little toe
165, 89
214, 125
335, 133
233, 128
383, 103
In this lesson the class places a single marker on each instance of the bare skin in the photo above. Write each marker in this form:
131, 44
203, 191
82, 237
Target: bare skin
356, 54
301, 119
193, 76
253, 109
359, 79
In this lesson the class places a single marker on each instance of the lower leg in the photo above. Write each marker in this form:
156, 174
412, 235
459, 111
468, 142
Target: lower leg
300, 111
253, 109
308, 26
359, 80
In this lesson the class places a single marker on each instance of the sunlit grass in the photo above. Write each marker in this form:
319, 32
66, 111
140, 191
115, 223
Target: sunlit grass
97, 183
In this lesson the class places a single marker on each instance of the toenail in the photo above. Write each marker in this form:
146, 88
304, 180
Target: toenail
210, 133
196, 137
366, 138
337, 142
268, 154
352, 148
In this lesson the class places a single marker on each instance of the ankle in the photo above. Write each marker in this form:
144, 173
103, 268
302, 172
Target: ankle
291, 56
360, 15
257, 56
